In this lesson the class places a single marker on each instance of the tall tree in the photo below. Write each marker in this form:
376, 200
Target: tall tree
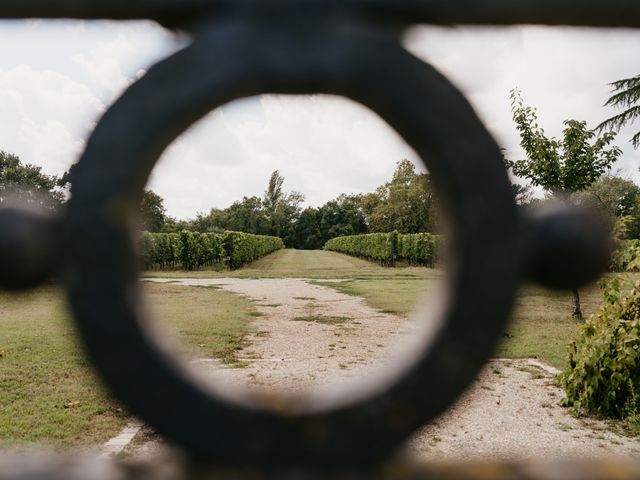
27, 184
273, 198
406, 204
626, 96
561, 167
281, 209
153, 214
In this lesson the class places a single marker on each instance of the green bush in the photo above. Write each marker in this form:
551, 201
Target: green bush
194, 250
387, 248
603, 377
626, 255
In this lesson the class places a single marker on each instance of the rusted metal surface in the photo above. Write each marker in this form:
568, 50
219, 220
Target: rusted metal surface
248, 47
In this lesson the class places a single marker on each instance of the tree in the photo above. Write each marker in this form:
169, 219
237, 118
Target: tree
27, 185
152, 212
561, 167
208, 222
342, 216
281, 209
626, 97
614, 198
247, 215
406, 204
306, 232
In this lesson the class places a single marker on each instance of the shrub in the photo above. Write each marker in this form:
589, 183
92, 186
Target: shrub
604, 372
626, 255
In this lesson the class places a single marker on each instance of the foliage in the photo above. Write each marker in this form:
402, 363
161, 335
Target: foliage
152, 212
625, 257
281, 209
614, 198
339, 217
27, 185
604, 373
407, 203
563, 166
387, 248
603, 376
194, 250
244, 248
274, 215
626, 97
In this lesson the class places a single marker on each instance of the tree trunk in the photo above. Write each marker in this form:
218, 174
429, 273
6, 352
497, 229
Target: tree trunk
577, 311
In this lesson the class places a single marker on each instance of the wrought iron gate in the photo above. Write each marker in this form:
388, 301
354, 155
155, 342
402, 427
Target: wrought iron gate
345, 47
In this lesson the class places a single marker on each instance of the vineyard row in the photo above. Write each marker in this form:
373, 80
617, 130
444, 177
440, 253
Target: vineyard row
193, 250
387, 248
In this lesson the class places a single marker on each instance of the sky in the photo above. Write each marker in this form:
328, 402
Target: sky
58, 77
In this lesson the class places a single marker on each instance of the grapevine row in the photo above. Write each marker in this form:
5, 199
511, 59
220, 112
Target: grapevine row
193, 250
387, 248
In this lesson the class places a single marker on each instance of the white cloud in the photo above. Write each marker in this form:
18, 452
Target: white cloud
64, 74
45, 116
103, 64
323, 146
563, 72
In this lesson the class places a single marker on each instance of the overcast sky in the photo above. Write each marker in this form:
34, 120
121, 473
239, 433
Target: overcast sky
57, 78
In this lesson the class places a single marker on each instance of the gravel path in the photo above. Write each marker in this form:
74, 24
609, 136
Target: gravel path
312, 335
513, 412
307, 336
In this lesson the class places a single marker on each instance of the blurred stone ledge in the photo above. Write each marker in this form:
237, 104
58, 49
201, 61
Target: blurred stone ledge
42, 466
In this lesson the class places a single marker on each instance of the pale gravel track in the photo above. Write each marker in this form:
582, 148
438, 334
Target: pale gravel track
287, 355
511, 411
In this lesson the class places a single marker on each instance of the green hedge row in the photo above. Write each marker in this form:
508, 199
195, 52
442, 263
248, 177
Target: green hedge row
387, 248
193, 250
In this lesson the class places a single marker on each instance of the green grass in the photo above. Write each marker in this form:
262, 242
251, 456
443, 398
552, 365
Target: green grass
541, 325
43, 373
302, 264
396, 296
48, 392
203, 323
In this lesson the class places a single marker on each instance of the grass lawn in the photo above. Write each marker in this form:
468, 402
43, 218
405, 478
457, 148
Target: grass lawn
541, 325
302, 264
48, 392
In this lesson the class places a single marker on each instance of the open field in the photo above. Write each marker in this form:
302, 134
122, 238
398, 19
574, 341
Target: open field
49, 393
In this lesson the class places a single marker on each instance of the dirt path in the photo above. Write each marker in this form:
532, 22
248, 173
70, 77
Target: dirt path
308, 335
312, 335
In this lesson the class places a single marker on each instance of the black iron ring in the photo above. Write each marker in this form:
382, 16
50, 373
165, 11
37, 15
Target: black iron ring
235, 59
